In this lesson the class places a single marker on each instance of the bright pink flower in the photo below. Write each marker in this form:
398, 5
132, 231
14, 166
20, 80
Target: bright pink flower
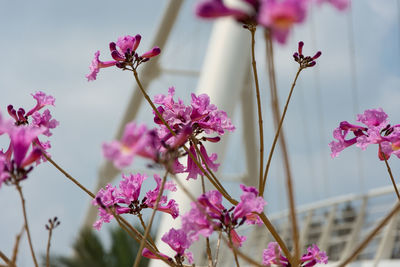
250, 203
150, 255
152, 53
192, 169
124, 54
314, 255
96, 65
44, 120
125, 198
136, 140
129, 187
179, 242
208, 214
190, 121
42, 100
273, 255
216, 9
378, 131
195, 223
151, 197
280, 16
4, 168
21, 140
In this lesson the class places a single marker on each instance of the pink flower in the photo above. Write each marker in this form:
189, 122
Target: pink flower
96, 65
151, 197
191, 122
273, 255
125, 198
42, 100
280, 16
178, 241
192, 169
124, 54
44, 120
21, 140
216, 8
378, 131
314, 255
136, 140
208, 214
249, 204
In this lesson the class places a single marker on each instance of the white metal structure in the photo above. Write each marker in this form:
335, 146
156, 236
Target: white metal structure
337, 225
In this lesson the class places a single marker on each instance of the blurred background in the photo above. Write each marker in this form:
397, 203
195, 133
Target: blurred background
48, 46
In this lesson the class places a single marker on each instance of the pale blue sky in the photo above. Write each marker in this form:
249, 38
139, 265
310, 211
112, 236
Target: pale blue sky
48, 45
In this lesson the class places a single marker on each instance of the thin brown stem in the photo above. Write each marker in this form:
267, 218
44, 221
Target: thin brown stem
252, 29
19, 189
144, 229
217, 184
136, 235
6, 259
214, 181
276, 236
390, 174
69, 176
271, 152
208, 248
234, 250
371, 235
16, 245
217, 249
48, 248
147, 232
286, 162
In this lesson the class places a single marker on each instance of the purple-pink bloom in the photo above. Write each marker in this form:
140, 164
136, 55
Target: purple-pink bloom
124, 54
21, 140
44, 120
313, 256
377, 131
179, 242
250, 203
208, 214
42, 100
273, 255
96, 65
280, 16
126, 198
151, 198
216, 8
136, 140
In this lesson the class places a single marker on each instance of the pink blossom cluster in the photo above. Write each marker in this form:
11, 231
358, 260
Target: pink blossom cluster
208, 215
273, 255
125, 198
194, 123
124, 54
377, 130
25, 148
279, 16
179, 242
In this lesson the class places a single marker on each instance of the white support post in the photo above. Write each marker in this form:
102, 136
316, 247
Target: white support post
323, 242
387, 241
222, 77
356, 229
